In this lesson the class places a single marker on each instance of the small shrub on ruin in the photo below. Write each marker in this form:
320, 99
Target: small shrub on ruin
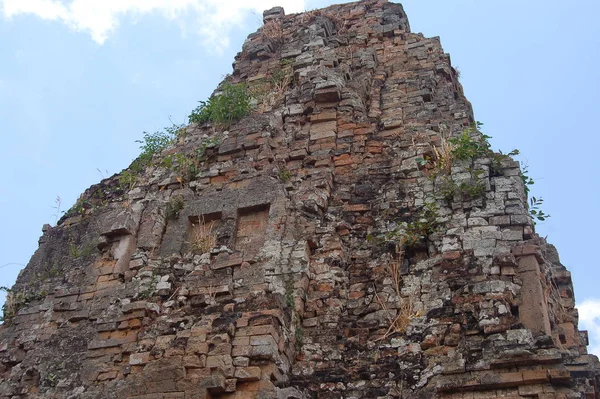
127, 180
15, 301
282, 77
174, 207
9, 308
410, 233
81, 251
231, 104
153, 143
148, 287
284, 175
447, 188
187, 166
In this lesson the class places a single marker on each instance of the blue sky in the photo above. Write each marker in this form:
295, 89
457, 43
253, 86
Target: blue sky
80, 80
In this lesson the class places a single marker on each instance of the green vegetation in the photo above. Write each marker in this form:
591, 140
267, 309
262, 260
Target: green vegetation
289, 294
128, 180
472, 188
527, 181
82, 251
187, 166
154, 143
284, 175
174, 207
534, 204
151, 144
16, 301
282, 77
534, 209
298, 333
470, 145
417, 229
233, 103
51, 380
149, 287
410, 233
7, 311
467, 147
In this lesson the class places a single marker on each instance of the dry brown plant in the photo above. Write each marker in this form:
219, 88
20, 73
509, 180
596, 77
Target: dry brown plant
419, 138
269, 92
211, 295
203, 238
282, 78
348, 52
443, 157
10, 306
273, 30
557, 309
340, 23
399, 321
309, 16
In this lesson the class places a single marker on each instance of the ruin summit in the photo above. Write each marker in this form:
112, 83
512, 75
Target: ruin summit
331, 224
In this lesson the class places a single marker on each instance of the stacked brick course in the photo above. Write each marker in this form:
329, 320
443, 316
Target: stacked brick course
295, 299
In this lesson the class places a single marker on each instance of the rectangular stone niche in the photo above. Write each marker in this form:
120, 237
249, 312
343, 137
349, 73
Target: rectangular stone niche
251, 228
202, 232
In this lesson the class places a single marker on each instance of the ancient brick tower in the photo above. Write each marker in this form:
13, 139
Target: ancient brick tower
352, 237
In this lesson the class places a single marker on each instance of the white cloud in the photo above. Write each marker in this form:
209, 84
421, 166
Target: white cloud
589, 319
212, 19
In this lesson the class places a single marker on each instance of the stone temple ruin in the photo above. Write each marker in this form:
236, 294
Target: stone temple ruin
353, 236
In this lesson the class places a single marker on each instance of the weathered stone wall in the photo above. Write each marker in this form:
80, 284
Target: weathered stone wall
310, 289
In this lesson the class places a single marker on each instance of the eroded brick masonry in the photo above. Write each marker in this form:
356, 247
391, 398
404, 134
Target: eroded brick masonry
320, 249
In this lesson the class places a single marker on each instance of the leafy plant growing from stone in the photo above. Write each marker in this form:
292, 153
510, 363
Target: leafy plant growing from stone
471, 188
534, 204
153, 143
231, 104
150, 286
410, 233
187, 166
17, 300
175, 131
472, 144
205, 144
298, 332
284, 174
127, 180
174, 207
466, 147
534, 209
527, 180
8, 309
76, 251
